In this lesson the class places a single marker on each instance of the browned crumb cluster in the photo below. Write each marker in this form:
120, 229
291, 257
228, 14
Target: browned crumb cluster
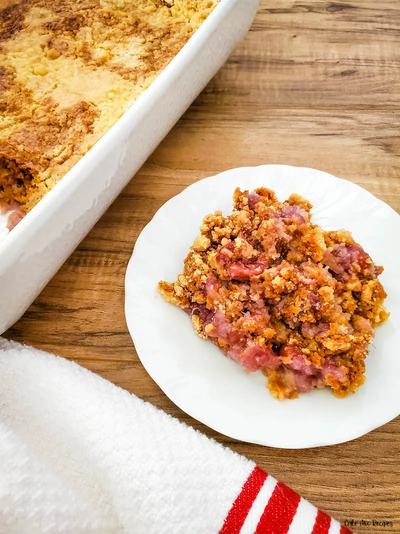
278, 294
69, 69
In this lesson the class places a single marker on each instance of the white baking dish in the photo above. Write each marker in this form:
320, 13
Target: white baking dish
33, 252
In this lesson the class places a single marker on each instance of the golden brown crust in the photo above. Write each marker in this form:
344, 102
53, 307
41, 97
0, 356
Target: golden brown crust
68, 71
277, 293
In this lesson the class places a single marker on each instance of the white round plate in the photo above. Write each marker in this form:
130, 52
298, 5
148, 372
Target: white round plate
199, 379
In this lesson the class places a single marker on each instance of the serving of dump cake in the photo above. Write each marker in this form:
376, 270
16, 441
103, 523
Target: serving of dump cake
277, 293
68, 70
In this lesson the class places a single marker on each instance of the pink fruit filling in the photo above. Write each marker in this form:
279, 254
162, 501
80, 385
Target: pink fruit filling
278, 294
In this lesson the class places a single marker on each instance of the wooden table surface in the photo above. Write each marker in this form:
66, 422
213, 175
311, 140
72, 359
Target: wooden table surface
316, 84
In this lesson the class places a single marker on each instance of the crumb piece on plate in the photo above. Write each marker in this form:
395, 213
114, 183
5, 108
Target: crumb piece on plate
278, 294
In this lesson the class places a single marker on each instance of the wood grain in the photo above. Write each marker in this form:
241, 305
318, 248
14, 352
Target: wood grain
314, 84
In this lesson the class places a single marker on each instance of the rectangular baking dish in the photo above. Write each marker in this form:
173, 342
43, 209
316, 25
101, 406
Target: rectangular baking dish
32, 253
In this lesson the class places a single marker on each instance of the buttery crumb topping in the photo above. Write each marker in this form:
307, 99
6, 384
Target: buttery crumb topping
277, 293
69, 69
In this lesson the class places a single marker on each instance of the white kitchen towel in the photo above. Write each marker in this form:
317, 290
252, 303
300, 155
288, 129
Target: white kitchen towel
79, 455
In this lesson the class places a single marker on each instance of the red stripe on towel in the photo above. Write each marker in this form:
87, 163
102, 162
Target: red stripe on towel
279, 512
322, 523
244, 501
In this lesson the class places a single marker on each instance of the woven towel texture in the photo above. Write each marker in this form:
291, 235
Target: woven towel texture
80, 455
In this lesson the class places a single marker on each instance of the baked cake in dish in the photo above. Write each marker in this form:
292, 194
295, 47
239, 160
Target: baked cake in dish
277, 293
68, 70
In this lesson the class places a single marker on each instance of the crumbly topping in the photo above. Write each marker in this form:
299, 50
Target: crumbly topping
277, 293
69, 70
